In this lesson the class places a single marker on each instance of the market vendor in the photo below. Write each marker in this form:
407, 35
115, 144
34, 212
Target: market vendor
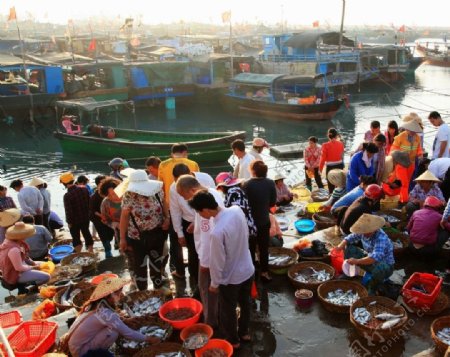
284, 194
390, 183
377, 255
98, 326
336, 178
15, 264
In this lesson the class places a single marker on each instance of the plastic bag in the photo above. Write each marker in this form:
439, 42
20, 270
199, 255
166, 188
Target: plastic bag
47, 291
44, 310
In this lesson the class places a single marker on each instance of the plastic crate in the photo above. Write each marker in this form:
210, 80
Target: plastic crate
10, 318
430, 282
33, 338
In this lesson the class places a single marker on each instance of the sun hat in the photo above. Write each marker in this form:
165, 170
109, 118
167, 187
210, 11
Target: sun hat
127, 172
139, 183
66, 177
107, 287
36, 181
427, 176
20, 231
227, 180
337, 177
9, 216
260, 142
278, 177
367, 223
412, 122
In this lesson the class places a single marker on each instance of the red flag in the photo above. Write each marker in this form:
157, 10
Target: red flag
92, 45
402, 28
316, 23
12, 14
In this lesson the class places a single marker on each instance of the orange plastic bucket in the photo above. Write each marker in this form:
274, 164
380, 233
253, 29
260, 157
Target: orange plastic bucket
196, 328
216, 343
195, 305
337, 259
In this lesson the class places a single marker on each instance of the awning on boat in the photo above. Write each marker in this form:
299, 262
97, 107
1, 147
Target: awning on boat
60, 58
310, 39
88, 104
256, 79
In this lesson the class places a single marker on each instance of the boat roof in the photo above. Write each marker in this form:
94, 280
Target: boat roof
256, 78
310, 39
88, 104
60, 58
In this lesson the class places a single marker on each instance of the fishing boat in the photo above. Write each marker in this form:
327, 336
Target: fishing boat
103, 141
278, 95
435, 53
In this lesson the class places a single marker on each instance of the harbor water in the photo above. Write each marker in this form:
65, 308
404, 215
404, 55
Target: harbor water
278, 328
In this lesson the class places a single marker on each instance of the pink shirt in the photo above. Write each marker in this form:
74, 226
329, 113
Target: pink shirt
423, 226
312, 156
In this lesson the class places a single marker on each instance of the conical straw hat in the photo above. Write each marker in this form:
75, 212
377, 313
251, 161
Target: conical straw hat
36, 181
107, 287
9, 216
427, 176
337, 177
367, 223
20, 231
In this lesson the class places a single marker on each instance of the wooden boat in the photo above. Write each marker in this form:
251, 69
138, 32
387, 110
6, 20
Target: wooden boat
278, 95
95, 140
435, 53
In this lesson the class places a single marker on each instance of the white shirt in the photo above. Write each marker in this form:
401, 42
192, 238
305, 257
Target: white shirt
244, 166
30, 200
205, 179
439, 167
443, 134
202, 231
179, 209
231, 262
255, 154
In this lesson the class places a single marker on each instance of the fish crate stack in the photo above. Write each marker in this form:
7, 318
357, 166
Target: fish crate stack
338, 295
377, 318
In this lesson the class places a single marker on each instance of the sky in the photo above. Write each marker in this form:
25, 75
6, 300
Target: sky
358, 12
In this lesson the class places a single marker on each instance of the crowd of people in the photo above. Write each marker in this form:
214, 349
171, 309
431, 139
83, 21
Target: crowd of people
225, 224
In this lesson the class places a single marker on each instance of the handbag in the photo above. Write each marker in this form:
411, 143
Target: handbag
63, 344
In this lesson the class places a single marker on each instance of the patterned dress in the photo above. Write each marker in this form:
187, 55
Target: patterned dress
235, 196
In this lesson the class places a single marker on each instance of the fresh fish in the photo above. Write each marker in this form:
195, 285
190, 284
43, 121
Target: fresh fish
66, 295
72, 295
444, 335
214, 352
373, 303
171, 354
316, 276
339, 297
195, 341
390, 323
362, 315
83, 261
386, 316
148, 307
154, 331
279, 259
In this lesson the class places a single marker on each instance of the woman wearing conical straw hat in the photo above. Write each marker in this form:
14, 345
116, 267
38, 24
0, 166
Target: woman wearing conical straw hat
377, 255
408, 141
98, 326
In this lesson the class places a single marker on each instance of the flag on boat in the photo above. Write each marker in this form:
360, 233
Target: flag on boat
128, 24
316, 23
92, 45
12, 14
226, 16
402, 28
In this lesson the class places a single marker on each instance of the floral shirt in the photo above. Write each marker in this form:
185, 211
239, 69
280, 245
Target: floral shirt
111, 211
312, 156
418, 193
237, 197
147, 212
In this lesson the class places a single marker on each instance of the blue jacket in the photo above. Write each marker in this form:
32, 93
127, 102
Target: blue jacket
356, 169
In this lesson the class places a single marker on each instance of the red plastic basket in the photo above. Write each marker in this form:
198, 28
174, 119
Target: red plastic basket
10, 318
430, 282
33, 338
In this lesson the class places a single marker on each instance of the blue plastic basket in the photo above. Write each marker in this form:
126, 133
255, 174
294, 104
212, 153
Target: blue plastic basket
60, 252
305, 225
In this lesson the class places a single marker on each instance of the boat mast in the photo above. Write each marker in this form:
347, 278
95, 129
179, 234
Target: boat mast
231, 47
341, 34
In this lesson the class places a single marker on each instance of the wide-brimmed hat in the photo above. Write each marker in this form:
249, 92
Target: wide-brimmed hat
427, 176
367, 223
337, 177
107, 287
139, 183
20, 231
260, 142
9, 216
278, 177
226, 179
412, 123
36, 181
66, 177
126, 172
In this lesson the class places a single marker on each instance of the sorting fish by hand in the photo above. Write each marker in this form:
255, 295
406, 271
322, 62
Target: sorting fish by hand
214, 352
148, 307
155, 331
83, 261
316, 276
279, 259
444, 335
339, 297
362, 315
196, 340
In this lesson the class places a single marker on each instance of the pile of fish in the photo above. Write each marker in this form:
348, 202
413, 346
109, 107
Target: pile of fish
196, 340
444, 335
214, 352
282, 259
316, 276
148, 307
171, 354
363, 316
320, 195
182, 313
83, 261
339, 297
155, 331
68, 295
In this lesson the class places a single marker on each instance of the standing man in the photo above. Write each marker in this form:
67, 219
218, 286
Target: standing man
187, 186
258, 146
30, 200
441, 144
231, 265
369, 135
76, 205
242, 169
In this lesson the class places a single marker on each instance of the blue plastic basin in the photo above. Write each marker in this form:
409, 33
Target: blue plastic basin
305, 225
60, 252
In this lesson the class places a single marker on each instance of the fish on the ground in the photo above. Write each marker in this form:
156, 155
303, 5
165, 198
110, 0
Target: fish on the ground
339, 297
195, 341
